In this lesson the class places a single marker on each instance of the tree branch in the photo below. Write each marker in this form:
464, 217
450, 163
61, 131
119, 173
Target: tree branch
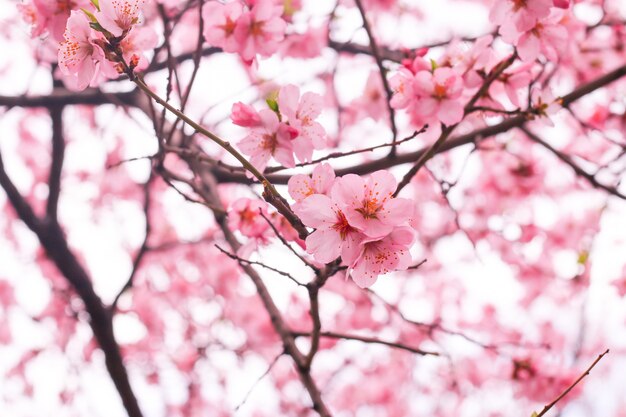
56, 166
54, 243
569, 162
373, 340
580, 378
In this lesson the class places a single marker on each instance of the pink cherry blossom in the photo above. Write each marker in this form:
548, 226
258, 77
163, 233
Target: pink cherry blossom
245, 115
220, 21
439, 93
522, 13
137, 43
381, 255
334, 236
118, 16
401, 83
320, 182
50, 15
301, 113
547, 36
369, 204
79, 56
272, 139
544, 105
260, 30
245, 216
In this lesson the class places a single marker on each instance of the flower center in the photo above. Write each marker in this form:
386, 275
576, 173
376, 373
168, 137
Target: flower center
341, 225
269, 142
440, 92
370, 208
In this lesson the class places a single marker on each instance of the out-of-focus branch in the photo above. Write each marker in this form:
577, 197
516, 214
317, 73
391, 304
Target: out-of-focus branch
372, 340
53, 241
278, 322
143, 250
56, 166
383, 73
64, 97
571, 387
568, 161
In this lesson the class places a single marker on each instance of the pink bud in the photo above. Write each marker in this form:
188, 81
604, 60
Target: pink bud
244, 115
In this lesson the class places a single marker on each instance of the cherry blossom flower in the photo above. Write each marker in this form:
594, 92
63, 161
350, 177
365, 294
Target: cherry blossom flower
301, 113
245, 215
547, 37
220, 21
373, 102
522, 13
271, 139
334, 236
369, 204
244, 115
401, 83
301, 186
260, 30
50, 15
544, 105
381, 255
118, 16
136, 43
439, 93
79, 56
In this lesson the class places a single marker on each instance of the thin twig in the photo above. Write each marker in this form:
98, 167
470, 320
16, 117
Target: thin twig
564, 393
383, 74
372, 340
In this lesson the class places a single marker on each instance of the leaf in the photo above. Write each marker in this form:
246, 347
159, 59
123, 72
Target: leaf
272, 104
96, 26
90, 16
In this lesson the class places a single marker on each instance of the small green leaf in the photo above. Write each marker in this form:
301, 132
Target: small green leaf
433, 65
90, 15
96, 26
272, 104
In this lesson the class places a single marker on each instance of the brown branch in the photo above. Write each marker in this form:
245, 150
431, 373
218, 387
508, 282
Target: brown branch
143, 250
447, 130
373, 340
569, 162
452, 143
261, 264
383, 73
64, 97
278, 322
53, 241
56, 166
564, 393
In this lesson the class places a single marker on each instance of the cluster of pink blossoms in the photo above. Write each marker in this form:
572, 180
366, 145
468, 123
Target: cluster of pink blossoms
256, 27
429, 94
86, 53
533, 26
356, 219
251, 218
288, 127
